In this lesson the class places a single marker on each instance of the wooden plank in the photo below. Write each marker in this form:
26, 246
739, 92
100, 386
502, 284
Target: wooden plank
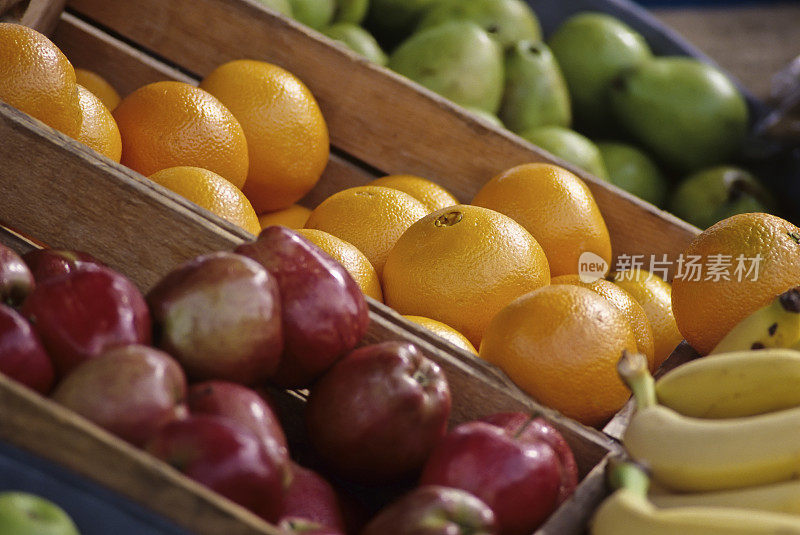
38, 425
122, 65
373, 114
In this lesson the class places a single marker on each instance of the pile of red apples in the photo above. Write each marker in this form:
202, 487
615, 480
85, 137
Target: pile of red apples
183, 372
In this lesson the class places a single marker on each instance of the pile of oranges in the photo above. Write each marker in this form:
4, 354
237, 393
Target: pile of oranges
250, 139
499, 274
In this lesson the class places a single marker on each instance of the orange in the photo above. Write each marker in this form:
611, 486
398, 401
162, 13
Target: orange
209, 190
626, 304
98, 128
654, 294
707, 309
369, 217
286, 133
460, 265
36, 78
351, 258
561, 345
294, 217
172, 124
431, 194
556, 207
445, 331
99, 87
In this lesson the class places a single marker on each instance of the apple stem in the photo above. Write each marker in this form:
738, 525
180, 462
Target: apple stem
420, 377
632, 368
524, 426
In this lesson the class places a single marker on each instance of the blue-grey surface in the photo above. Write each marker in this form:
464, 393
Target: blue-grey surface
95, 509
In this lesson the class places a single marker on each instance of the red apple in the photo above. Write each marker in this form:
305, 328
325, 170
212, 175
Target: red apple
16, 280
50, 263
82, 314
324, 311
131, 391
534, 429
311, 498
517, 478
225, 457
246, 408
433, 510
377, 413
22, 356
220, 316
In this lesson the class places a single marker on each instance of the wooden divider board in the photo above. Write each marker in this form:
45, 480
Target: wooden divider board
373, 115
66, 195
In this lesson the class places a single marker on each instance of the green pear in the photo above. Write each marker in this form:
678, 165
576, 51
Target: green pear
570, 146
458, 60
634, 171
314, 13
535, 93
27, 514
508, 21
358, 40
281, 6
686, 112
486, 116
592, 49
391, 21
352, 11
716, 193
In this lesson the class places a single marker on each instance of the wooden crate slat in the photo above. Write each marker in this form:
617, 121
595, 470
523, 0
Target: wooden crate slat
373, 114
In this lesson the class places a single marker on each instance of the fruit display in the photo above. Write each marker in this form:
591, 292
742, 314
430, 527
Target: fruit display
277, 312
281, 370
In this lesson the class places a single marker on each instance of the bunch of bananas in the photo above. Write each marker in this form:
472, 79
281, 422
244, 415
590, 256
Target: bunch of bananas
720, 437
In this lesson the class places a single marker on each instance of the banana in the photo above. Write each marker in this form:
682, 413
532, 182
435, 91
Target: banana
692, 454
732, 385
775, 325
628, 512
783, 497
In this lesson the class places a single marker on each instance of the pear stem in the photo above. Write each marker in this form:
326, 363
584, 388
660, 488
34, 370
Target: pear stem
632, 368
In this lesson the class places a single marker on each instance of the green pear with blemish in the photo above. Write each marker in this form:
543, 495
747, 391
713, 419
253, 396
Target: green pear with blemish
592, 49
716, 193
458, 60
535, 92
508, 21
